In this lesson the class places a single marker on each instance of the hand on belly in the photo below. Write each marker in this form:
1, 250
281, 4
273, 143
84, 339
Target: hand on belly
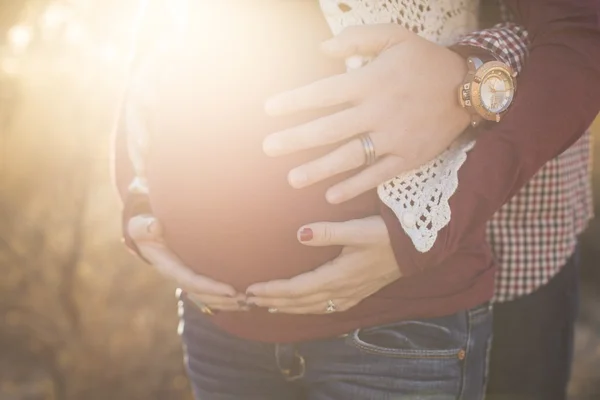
225, 206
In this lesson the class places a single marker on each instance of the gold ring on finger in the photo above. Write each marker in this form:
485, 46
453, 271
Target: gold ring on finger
331, 307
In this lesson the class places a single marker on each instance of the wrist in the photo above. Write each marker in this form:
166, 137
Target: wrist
457, 66
487, 90
465, 51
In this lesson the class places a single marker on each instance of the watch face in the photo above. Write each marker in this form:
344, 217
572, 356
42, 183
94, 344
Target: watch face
497, 91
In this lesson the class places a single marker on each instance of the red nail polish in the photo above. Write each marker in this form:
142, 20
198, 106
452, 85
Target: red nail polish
306, 235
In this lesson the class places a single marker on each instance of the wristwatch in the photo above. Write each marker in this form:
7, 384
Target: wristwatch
488, 90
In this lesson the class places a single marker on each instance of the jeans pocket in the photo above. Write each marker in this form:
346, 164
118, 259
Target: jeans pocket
427, 338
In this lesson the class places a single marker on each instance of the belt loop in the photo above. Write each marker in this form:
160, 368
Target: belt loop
290, 363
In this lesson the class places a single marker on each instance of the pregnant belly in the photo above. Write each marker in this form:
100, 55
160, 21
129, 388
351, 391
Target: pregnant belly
227, 208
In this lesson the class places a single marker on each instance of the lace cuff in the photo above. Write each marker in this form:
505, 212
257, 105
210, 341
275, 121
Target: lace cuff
419, 198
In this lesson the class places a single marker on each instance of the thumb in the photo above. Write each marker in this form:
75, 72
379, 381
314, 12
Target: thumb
144, 228
365, 40
357, 232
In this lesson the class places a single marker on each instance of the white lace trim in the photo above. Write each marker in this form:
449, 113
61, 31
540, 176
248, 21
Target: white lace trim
440, 21
419, 198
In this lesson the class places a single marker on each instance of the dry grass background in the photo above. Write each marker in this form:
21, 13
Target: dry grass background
80, 318
76, 309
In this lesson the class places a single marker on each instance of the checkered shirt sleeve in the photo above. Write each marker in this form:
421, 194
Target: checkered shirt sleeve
534, 234
507, 42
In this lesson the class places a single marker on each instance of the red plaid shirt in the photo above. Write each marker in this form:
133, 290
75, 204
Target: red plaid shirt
535, 233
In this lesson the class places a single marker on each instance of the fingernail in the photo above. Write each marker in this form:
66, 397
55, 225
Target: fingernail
332, 197
297, 178
354, 62
306, 235
270, 146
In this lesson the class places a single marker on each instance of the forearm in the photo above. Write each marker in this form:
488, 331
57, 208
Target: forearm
123, 174
506, 42
556, 102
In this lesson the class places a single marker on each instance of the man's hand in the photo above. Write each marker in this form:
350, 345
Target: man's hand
405, 99
147, 235
365, 265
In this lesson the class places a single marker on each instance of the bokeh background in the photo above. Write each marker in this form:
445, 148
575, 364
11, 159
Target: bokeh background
80, 318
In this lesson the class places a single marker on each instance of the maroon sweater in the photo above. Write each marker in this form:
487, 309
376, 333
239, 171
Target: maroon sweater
229, 213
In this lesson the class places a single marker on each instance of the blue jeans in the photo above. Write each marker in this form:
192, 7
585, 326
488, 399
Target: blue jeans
433, 359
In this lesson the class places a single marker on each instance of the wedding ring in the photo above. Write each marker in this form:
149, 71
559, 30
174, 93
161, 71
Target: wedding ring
368, 148
331, 307
272, 310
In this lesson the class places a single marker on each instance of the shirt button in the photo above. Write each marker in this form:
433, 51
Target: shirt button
409, 220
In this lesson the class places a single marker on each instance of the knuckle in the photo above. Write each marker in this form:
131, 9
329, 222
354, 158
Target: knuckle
294, 100
267, 290
327, 233
324, 168
337, 161
357, 155
293, 292
326, 133
275, 289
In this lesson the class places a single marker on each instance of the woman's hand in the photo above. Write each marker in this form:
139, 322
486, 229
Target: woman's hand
147, 234
405, 99
365, 265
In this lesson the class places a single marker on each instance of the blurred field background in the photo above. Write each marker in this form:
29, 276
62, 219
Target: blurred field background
81, 319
